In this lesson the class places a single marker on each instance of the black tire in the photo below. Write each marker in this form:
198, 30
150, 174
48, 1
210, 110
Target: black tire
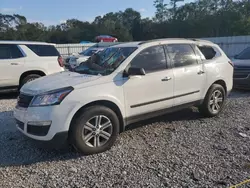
29, 78
206, 108
77, 128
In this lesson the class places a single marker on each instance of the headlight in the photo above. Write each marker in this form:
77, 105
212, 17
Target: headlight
51, 98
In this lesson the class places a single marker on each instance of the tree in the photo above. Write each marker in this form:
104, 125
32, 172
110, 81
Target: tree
201, 18
174, 4
161, 13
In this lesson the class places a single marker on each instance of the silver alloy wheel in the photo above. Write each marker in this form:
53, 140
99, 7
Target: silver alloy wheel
216, 101
97, 131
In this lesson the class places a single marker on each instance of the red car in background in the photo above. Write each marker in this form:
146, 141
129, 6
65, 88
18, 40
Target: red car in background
105, 38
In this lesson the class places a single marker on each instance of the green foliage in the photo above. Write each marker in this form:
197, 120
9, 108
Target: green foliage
202, 18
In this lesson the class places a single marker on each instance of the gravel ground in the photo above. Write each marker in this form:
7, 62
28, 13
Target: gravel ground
176, 150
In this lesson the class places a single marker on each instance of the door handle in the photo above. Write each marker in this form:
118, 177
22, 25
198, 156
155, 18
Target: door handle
14, 63
166, 79
200, 72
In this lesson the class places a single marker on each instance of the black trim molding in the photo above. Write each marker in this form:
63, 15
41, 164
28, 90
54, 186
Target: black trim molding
165, 99
152, 114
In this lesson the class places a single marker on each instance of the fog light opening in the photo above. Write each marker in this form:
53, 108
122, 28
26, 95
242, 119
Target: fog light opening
39, 123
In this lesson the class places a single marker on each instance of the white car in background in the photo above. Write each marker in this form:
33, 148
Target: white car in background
74, 61
22, 62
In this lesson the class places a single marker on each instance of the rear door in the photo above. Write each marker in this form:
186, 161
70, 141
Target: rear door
11, 65
189, 75
45, 58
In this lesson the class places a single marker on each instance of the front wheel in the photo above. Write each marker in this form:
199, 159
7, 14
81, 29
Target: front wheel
214, 101
95, 130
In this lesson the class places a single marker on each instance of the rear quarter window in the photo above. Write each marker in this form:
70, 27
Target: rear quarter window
209, 52
43, 50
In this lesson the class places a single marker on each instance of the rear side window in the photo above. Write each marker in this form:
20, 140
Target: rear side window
209, 52
10, 51
151, 59
43, 50
181, 55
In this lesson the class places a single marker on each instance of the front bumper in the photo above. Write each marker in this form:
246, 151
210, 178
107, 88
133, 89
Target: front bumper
43, 123
241, 83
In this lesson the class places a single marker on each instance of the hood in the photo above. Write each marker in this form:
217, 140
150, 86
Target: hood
56, 81
241, 62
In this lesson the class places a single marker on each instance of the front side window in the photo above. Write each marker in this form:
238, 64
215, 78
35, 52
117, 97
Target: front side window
181, 55
4, 52
245, 54
151, 59
9, 51
105, 62
43, 50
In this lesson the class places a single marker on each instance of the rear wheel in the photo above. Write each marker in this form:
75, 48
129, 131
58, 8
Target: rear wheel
29, 78
214, 101
95, 130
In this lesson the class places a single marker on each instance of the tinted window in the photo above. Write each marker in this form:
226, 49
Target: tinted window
4, 52
9, 51
15, 51
181, 55
209, 52
245, 54
44, 50
151, 59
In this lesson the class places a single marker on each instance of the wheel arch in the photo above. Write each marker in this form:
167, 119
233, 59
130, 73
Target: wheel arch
23, 75
222, 83
106, 103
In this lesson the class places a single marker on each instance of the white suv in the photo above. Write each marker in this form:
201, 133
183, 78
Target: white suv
21, 62
127, 83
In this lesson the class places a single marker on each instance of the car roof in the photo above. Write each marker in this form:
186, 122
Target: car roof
164, 41
24, 42
128, 44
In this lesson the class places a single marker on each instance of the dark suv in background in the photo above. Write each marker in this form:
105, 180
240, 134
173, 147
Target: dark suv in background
242, 69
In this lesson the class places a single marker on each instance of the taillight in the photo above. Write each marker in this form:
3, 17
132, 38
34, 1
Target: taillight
60, 61
231, 63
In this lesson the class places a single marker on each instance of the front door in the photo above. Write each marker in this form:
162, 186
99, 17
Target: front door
189, 75
153, 91
11, 65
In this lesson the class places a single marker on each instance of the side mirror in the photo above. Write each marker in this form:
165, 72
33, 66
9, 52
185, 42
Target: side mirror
235, 57
133, 71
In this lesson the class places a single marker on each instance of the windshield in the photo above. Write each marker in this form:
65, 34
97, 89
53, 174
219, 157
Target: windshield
245, 54
105, 62
88, 52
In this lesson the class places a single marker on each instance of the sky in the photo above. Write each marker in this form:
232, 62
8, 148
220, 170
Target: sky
52, 12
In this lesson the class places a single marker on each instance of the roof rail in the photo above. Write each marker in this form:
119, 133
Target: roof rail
162, 39
195, 39
153, 40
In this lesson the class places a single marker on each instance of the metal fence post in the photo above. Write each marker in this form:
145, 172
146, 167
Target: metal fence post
68, 50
